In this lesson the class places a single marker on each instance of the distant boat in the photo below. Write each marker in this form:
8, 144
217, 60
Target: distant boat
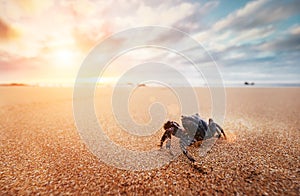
141, 85
14, 84
248, 83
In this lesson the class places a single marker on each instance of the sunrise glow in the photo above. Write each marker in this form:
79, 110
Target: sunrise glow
65, 58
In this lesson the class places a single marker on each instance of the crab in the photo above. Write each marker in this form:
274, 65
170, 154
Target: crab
194, 129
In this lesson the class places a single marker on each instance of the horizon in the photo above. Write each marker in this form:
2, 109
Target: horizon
99, 84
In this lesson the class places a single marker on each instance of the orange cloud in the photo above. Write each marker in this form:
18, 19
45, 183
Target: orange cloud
84, 42
33, 6
88, 38
7, 32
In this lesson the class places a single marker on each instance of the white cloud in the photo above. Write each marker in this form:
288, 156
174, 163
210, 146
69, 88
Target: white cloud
240, 15
295, 30
256, 14
287, 41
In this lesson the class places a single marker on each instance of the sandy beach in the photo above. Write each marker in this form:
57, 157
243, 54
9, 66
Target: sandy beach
41, 151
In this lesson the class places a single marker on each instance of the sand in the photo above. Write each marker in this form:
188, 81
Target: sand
41, 151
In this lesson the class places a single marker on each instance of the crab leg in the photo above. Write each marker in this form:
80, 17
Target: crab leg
220, 128
183, 145
166, 135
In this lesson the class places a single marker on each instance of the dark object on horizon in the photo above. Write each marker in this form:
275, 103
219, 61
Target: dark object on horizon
141, 85
14, 84
247, 83
194, 129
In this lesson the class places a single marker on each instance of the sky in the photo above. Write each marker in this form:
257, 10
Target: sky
47, 41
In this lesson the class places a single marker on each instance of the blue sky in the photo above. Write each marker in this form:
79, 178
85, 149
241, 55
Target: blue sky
46, 41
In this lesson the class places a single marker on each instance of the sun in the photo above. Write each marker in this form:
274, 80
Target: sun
65, 57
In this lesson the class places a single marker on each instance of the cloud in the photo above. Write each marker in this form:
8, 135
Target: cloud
89, 37
250, 44
90, 29
11, 63
33, 7
7, 32
289, 41
285, 44
257, 14
249, 40
88, 22
195, 22
295, 30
